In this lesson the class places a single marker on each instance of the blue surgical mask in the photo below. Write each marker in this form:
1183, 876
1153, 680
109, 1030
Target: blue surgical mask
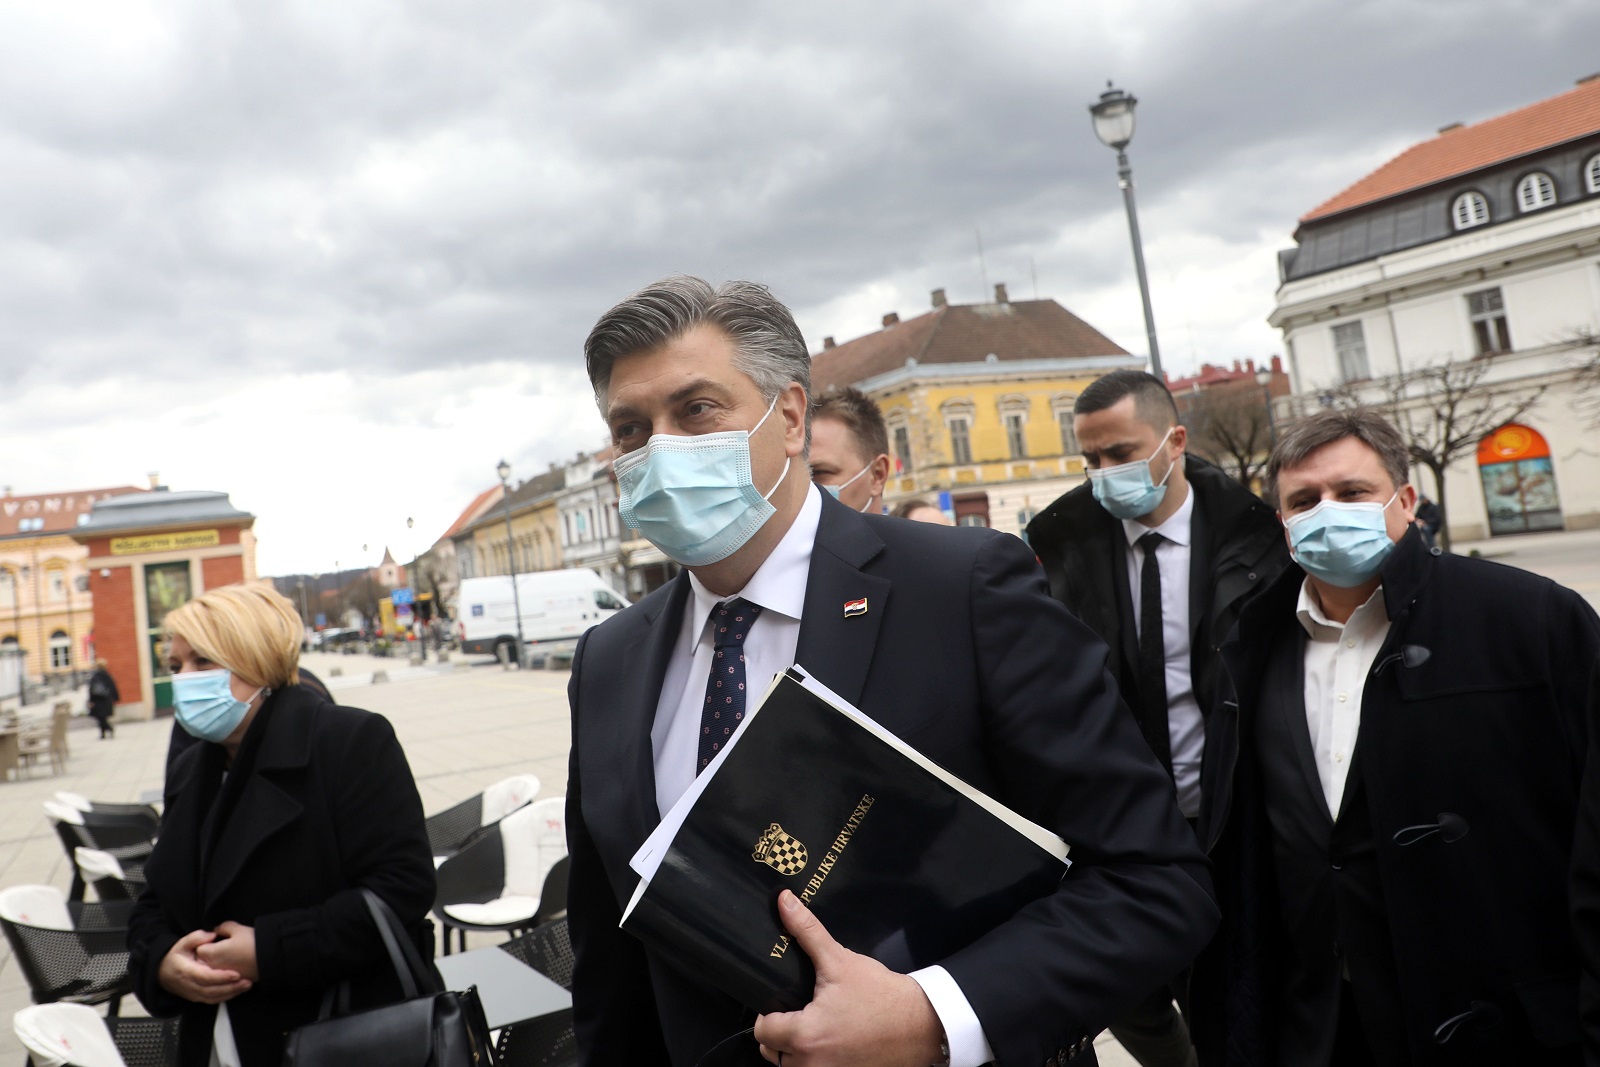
1126, 490
834, 490
1340, 543
693, 497
205, 705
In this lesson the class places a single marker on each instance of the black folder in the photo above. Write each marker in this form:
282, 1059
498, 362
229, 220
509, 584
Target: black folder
898, 858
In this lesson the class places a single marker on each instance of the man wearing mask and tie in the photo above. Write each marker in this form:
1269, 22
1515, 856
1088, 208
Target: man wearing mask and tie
1156, 553
1392, 804
932, 632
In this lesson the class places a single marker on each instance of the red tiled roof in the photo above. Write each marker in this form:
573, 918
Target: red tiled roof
1465, 149
479, 505
59, 511
964, 333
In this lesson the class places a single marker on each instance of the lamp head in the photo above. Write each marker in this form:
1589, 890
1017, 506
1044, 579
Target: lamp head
503, 469
1263, 377
1113, 117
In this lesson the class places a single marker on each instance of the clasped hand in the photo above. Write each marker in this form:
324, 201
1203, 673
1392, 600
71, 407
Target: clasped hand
861, 1013
211, 966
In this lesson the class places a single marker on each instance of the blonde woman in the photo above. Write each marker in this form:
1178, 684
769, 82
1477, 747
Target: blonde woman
274, 823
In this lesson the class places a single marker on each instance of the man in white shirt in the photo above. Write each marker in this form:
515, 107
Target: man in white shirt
1189, 543
1392, 816
934, 632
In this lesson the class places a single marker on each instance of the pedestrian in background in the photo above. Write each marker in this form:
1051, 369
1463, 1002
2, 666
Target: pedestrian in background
1157, 552
103, 697
1429, 519
1392, 802
919, 510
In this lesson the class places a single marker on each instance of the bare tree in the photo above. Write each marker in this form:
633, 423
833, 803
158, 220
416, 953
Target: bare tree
1586, 399
1444, 411
1228, 425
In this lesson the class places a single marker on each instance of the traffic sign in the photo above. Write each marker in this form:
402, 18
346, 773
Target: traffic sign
403, 595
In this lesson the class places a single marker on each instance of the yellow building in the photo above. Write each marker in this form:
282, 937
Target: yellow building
978, 400
481, 546
46, 610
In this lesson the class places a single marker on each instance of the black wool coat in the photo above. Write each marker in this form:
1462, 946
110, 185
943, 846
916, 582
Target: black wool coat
1236, 548
1479, 706
319, 803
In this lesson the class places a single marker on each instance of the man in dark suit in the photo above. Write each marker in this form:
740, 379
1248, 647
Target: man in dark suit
1394, 810
705, 392
1153, 522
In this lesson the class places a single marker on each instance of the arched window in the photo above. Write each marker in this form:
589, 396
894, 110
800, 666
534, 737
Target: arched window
1469, 210
60, 651
1591, 175
8, 588
1536, 191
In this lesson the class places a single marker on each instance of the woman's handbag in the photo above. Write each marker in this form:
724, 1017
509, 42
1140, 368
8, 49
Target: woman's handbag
429, 1028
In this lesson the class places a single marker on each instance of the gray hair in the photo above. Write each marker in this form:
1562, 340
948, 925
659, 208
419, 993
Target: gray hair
770, 349
1325, 427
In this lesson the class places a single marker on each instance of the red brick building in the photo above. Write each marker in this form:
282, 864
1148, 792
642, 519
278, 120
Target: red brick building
148, 554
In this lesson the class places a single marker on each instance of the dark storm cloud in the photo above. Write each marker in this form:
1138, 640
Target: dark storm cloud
260, 189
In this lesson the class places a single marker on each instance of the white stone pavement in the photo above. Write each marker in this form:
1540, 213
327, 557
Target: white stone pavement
462, 728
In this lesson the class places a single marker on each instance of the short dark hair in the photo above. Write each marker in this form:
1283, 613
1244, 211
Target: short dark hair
860, 415
1151, 398
904, 509
1296, 444
771, 349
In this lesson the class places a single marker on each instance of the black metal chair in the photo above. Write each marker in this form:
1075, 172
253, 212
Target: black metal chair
549, 1041
451, 830
74, 1034
112, 878
145, 1042
125, 835
510, 880
68, 950
101, 807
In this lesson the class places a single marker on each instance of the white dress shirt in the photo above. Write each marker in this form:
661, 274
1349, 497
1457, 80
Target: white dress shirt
1338, 659
1186, 729
779, 587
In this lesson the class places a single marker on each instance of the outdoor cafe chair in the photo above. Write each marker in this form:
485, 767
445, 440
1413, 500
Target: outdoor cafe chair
127, 836
503, 880
451, 830
46, 739
549, 1041
112, 878
68, 951
72, 1035
101, 807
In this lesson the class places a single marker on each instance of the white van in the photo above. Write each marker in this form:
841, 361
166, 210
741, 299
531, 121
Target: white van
557, 607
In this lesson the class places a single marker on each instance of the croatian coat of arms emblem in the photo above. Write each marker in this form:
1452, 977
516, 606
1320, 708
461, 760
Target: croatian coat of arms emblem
779, 851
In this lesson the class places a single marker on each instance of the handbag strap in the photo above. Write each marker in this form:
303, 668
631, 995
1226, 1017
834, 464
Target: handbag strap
414, 976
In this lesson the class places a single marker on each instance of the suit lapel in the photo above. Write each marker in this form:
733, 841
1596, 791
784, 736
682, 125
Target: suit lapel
1202, 573
637, 698
835, 646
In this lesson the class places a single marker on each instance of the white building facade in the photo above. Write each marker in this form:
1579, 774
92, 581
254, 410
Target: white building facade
591, 532
1478, 250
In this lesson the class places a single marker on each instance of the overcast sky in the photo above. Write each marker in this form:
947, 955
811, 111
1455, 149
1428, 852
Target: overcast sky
338, 259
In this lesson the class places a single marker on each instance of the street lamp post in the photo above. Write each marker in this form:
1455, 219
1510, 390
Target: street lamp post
1113, 124
504, 470
305, 617
1264, 379
411, 580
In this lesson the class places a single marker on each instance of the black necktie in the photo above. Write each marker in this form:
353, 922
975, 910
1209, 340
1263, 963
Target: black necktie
724, 706
1152, 655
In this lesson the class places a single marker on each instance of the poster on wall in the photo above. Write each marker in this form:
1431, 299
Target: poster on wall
1519, 481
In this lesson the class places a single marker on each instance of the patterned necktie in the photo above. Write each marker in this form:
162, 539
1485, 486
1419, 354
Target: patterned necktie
725, 688
1152, 654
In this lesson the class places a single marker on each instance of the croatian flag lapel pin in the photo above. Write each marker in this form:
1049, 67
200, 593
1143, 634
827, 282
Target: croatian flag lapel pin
855, 607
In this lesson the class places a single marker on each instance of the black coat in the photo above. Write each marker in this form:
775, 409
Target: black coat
318, 804
1489, 723
964, 655
1236, 548
103, 695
